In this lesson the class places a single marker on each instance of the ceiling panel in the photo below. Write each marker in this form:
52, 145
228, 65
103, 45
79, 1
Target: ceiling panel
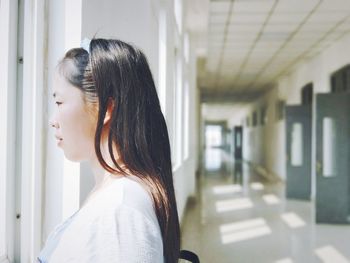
235, 54
222, 19
287, 18
247, 18
317, 28
288, 55
277, 27
297, 43
236, 44
216, 29
244, 28
219, 7
233, 57
268, 45
334, 5
327, 18
306, 34
230, 72
274, 36
263, 52
296, 5
253, 6
334, 35
344, 27
256, 68
217, 38
232, 41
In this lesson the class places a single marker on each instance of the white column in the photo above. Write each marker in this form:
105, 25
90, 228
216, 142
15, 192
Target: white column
32, 151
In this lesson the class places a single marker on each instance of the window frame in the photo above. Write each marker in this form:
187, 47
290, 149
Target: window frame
8, 75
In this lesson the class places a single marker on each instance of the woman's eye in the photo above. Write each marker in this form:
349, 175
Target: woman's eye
58, 103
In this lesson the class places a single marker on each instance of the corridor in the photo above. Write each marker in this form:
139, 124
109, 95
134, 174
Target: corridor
241, 217
255, 95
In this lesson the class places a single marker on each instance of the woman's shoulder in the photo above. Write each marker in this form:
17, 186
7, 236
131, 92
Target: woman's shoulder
131, 193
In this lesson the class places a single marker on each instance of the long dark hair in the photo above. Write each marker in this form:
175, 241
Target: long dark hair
117, 71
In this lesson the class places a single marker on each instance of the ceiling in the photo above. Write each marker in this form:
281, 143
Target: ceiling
218, 112
246, 45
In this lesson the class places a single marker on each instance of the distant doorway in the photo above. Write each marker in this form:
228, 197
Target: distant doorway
238, 139
213, 146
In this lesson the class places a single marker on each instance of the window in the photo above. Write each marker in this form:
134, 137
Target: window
186, 121
162, 59
178, 14
178, 109
186, 48
297, 145
329, 150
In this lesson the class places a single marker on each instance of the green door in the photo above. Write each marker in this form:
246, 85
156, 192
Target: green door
298, 139
332, 158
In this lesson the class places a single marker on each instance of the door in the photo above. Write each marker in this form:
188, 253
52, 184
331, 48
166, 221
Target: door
298, 139
238, 135
332, 158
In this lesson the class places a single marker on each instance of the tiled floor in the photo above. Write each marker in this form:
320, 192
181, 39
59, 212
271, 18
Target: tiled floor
240, 218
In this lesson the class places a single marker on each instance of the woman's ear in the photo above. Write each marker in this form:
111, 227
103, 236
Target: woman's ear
109, 112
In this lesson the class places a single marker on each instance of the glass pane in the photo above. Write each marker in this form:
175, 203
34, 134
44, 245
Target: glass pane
297, 145
213, 135
329, 147
213, 159
238, 140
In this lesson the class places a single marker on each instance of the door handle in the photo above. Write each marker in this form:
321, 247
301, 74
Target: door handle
319, 168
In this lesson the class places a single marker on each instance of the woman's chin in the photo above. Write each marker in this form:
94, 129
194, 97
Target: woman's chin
74, 157
71, 156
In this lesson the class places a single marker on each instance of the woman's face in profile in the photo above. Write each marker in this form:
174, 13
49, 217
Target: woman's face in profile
74, 126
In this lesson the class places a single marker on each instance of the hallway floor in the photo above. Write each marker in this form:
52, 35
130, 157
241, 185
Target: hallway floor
238, 217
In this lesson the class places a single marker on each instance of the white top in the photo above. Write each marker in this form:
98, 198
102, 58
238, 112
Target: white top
118, 224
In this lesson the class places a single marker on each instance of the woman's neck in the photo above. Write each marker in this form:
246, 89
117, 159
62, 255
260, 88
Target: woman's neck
100, 173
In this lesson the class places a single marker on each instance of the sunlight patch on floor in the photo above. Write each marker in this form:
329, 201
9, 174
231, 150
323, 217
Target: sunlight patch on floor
293, 220
257, 186
227, 189
285, 260
244, 230
271, 199
233, 204
328, 254
242, 225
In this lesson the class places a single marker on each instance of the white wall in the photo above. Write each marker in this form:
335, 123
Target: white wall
130, 21
265, 145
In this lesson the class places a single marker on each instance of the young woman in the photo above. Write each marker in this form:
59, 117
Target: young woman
108, 114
